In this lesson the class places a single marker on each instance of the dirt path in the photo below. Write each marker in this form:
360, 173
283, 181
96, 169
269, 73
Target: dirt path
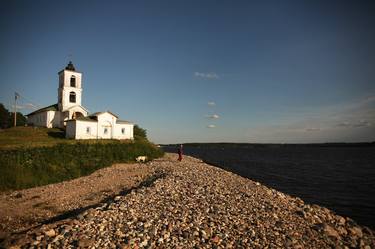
21, 210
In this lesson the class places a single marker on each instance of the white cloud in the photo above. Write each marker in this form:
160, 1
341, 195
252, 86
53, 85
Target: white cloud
211, 126
343, 124
359, 124
362, 123
213, 116
211, 103
210, 75
312, 129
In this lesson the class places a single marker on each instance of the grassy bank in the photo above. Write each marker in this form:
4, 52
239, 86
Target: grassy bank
32, 157
21, 137
28, 167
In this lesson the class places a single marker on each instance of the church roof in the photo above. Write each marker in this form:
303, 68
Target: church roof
53, 107
99, 113
90, 119
70, 66
123, 122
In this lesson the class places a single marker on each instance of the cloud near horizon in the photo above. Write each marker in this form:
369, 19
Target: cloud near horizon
211, 126
213, 116
345, 122
361, 123
211, 75
312, 129
211, 103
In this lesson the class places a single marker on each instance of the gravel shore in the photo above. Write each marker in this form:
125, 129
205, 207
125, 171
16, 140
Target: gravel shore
191, 204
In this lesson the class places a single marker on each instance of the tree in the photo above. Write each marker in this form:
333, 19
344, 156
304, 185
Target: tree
7, 118
139, 133
21, 119
4, 117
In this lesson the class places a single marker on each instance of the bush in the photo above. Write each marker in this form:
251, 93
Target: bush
139, 133
30, 167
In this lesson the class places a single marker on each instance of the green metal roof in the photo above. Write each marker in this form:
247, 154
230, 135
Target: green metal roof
53, 107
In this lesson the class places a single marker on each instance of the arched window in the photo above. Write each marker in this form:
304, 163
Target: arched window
73, 81
72, 97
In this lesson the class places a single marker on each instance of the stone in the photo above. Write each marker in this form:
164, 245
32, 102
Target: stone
39, 237
341, 220
50, 233
215, 239
356, 231
331, 232
301, 213
85, 242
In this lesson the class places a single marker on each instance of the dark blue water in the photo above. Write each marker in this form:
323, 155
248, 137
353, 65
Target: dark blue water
341, 178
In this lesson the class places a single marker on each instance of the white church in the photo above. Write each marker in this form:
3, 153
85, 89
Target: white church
68, 113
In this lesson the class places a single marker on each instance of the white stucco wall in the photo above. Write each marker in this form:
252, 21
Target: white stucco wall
76, 108
128, 131
38, 119
70, 130
114, 130
79, 129
65, 97
65, 75
65, 89
82, 129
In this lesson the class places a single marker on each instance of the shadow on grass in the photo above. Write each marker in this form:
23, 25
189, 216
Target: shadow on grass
56, 134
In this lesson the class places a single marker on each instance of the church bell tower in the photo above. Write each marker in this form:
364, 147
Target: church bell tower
70, 88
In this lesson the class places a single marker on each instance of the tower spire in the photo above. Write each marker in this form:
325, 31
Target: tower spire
70, 66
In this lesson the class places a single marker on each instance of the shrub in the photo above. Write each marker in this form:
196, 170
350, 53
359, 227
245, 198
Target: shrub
139, 133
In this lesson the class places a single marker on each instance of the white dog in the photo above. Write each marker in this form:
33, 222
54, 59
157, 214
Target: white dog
141, 159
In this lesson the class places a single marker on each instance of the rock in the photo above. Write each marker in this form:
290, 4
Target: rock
331, 232
39, 237
14, 247
342, 231
301, 213
85, 242
17, 195
50, 233
80, 217
356, 231
215, 239
341, 220
195, 205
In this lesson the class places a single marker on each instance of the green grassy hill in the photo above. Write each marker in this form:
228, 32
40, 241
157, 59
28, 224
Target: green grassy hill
18, 137
38, 156
31, 137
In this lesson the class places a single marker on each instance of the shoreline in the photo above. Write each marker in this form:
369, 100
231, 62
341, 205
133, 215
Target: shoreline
191, 203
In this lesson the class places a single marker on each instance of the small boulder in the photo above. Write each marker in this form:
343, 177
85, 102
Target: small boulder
331, 232
356, 231
50, 233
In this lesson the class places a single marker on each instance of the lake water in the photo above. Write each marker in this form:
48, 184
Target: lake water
341, 178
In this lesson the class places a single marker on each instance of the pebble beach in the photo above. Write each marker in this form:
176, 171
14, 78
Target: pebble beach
191, 204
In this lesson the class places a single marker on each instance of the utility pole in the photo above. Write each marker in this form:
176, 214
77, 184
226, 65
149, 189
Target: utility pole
15, 108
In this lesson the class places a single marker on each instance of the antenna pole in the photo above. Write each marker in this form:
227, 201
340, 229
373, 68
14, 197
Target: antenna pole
15, 109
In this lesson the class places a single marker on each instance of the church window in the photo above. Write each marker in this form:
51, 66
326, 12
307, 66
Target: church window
72, 97
73, 81
105, 130
88, 130
123, 130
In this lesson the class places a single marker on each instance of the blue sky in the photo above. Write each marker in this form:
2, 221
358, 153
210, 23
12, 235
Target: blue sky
202, 71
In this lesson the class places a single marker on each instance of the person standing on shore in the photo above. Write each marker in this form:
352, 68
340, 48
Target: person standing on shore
179, 151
